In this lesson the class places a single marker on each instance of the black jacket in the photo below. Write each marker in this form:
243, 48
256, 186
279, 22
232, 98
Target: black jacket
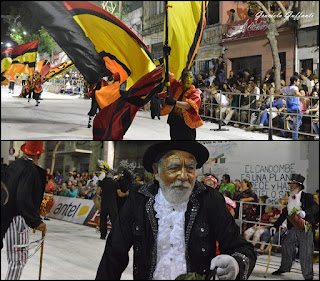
207, 220
26, 183
308, 205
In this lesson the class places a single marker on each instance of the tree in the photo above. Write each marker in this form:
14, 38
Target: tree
274, 23
54, 155
116, 7
23, 28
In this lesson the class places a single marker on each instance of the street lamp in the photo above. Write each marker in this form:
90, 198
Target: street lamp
24, 33
13, 30
8, 45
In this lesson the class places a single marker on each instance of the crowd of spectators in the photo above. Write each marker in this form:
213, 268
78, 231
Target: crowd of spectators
257, 217
85, 185
242, 99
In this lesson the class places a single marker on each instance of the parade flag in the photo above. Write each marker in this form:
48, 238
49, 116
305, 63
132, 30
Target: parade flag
184, 35
43, 67
113, 121
94, 40
58, 69
23, 59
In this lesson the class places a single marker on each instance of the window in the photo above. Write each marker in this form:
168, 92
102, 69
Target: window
213, 12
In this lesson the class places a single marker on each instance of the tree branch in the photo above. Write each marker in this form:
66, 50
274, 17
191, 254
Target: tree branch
284, 19
283, 9
263, 8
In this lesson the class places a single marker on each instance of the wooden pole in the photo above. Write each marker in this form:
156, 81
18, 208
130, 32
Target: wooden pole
271, 241
41, 255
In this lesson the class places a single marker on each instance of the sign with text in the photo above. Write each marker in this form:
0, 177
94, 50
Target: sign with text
246, 28
71, 209
267, 165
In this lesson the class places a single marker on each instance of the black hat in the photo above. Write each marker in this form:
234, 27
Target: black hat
156, 151
298, 179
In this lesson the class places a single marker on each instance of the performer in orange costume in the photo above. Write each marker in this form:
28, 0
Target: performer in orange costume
37, 86
183, 106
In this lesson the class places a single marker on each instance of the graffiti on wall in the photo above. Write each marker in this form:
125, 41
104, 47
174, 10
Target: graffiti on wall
271, 180
266, 165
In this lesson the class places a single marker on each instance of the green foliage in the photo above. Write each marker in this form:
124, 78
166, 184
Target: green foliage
46, 44
34, 31
294, 211
191, 276
113, 7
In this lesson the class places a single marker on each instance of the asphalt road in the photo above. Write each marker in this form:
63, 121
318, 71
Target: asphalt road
73, 252
64, 117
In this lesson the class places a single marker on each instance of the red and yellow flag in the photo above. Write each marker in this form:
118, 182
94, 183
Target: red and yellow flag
23, 59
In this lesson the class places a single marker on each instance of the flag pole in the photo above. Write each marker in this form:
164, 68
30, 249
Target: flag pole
167, 49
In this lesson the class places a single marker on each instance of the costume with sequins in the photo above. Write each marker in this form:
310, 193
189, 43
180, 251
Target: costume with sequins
137, 226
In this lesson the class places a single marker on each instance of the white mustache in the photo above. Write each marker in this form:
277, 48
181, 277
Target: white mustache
180, 183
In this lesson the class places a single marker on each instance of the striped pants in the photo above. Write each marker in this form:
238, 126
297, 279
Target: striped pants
17, 234
304, 240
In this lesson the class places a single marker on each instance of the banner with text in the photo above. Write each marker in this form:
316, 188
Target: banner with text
71, 209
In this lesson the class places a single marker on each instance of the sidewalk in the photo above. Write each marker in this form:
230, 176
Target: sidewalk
73, 252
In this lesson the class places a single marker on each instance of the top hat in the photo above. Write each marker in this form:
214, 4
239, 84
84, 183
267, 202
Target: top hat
157, 150
33, 147
297, 179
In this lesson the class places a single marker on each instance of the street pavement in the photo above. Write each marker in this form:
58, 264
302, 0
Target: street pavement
61, 117
73, 252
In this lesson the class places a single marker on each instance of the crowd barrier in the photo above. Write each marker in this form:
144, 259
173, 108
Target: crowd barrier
75, 210
238, 110
84, 211
257, 222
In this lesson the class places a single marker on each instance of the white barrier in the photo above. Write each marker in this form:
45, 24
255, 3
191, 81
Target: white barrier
71, 209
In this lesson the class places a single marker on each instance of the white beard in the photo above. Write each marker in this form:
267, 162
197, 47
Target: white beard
173, 195
294, 192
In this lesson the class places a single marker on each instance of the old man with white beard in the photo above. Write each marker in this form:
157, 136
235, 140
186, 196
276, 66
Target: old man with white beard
307, 210
173, 223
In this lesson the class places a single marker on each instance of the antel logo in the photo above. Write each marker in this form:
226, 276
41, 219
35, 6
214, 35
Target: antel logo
71, 210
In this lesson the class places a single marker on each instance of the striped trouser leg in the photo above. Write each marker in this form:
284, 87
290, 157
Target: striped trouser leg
288, 248
17, 234
306, 253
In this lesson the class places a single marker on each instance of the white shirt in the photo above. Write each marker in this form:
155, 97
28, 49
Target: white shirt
222, 100
296, 203
171, 250
211, 78
256, 91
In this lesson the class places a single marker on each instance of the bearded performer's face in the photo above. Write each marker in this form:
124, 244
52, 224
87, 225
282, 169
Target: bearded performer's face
186, 79
294, 189
176, 173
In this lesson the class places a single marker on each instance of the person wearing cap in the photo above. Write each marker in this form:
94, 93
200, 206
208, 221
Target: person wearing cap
174, 221
26, 182
183, 106
211, 181
308, 212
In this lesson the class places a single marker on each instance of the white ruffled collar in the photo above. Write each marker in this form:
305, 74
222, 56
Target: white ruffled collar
171, 261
